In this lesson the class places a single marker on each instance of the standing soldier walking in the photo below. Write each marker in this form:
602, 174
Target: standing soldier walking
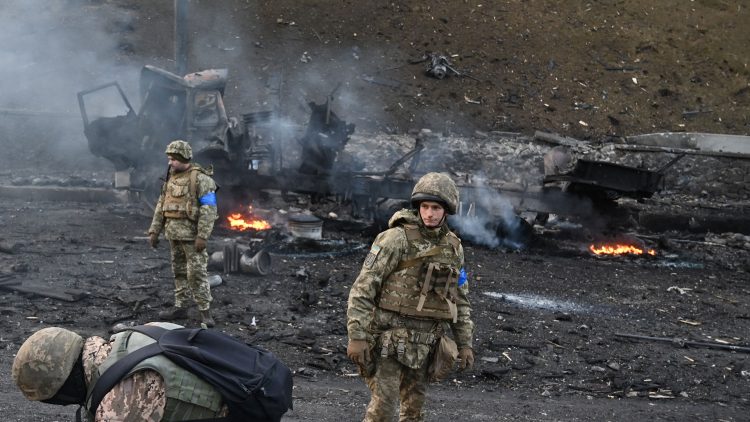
411, 290
186, 210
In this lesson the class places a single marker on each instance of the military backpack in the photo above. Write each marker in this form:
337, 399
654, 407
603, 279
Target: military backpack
255, 385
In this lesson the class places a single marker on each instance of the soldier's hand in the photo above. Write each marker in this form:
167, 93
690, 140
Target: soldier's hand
359, 352
153, 239
200, 244
466, 358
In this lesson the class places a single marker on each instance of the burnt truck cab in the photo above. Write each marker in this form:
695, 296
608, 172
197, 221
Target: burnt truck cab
172, 107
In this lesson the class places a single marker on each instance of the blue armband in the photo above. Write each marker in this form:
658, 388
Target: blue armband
462, 277
208, 199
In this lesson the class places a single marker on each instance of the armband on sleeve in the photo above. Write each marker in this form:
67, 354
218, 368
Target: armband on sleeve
208, 199
462, 277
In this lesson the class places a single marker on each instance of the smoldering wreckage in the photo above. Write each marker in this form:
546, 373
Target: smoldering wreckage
655, 201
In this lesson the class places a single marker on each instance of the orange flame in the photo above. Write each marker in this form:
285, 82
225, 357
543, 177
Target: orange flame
240, 222
618, 249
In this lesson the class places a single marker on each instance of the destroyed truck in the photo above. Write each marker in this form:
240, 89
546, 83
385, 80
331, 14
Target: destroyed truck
245, 153
172, 107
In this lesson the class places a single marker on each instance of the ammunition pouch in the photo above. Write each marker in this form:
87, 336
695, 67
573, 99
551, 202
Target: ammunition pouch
443, 360
410, 348
443, 280
180, 197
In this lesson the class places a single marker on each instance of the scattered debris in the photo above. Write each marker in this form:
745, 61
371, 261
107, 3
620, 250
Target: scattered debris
684, 343
381, 81
67, 295
236, 257
439, 66
9, 247
680, 290
470, 101
689, 321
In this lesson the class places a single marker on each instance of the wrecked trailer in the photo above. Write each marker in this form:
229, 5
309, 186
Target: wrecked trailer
605, 181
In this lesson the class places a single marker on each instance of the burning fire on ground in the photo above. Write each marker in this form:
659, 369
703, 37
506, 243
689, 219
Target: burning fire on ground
619, 249
247, 221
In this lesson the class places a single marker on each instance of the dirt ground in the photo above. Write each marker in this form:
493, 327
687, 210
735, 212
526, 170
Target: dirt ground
547, 320
548, 316
585, 69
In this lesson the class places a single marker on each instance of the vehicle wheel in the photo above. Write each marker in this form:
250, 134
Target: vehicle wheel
148, 184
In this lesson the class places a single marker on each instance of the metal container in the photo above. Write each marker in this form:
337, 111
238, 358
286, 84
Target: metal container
306, 226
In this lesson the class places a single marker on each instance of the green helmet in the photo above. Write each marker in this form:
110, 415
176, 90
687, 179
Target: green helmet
181, 148
44, 362
437, 187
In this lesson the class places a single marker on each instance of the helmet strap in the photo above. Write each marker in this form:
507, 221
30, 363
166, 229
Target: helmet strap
442, 222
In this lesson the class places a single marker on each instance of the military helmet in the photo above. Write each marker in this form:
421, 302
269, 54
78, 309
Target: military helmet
181, 148
44, 362
437, 187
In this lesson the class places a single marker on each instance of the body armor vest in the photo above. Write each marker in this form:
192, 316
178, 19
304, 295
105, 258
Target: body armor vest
188, 396
425, 282
180, 195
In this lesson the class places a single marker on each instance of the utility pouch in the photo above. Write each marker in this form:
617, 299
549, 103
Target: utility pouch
409, 347
179, 188
443, 360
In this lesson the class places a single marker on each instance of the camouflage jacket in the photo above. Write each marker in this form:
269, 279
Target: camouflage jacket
139, 397
142, 396
388, 251
186, 227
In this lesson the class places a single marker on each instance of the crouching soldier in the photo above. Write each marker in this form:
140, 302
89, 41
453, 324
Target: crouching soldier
58, 366
410, 292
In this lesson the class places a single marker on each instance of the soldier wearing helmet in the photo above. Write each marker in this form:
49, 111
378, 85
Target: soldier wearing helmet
186, 212
411, 291
58, 366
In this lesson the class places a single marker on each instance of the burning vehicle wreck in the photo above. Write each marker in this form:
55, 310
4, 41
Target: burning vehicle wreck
172, 107
258, 154
248, 157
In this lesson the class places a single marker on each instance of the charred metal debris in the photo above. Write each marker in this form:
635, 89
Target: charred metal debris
248, 157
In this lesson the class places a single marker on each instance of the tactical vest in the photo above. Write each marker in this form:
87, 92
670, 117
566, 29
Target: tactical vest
424, 284
181, 196
188, 397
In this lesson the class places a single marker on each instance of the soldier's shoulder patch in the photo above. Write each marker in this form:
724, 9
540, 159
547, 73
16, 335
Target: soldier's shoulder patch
374, 251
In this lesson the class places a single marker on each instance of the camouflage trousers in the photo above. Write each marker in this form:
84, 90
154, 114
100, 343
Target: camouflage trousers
190, 275
394, 382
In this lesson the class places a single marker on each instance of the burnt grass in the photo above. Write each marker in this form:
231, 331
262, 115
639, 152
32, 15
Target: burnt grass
548, 319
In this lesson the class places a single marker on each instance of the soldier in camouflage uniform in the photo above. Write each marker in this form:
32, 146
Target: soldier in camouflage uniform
411, 290
186, 211
57, 366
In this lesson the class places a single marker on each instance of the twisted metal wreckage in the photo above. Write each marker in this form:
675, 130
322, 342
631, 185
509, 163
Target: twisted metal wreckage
247, 156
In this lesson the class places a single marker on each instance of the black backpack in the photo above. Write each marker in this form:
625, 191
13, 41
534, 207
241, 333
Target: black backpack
254, 384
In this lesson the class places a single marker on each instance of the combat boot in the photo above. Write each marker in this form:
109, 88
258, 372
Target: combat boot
206, 318
173, 314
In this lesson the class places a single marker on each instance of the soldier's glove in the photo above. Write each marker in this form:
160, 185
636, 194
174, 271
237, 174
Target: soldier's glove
359, 352
153, 240
200, 244
466, 358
